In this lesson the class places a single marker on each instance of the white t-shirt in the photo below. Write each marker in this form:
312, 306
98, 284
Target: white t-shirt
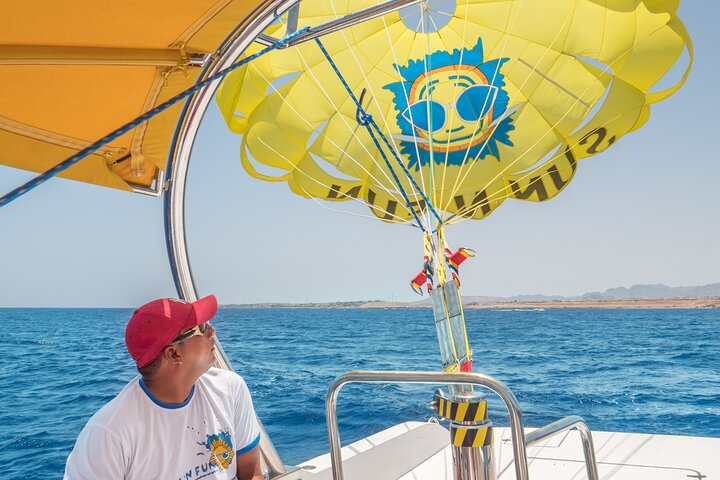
138, 437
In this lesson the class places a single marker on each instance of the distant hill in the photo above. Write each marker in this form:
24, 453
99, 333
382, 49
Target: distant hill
658, 290
636, 292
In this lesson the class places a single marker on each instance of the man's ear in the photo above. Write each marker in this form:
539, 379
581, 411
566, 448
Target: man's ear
172, 355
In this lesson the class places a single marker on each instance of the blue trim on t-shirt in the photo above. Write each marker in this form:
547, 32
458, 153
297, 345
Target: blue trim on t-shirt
249, 446
162, 404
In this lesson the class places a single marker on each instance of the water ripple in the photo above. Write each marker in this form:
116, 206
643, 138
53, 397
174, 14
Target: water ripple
622, 370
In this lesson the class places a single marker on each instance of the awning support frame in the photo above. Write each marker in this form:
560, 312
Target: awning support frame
336, 25
176, 174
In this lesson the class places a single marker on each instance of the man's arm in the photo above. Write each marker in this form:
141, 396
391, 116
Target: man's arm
248, 465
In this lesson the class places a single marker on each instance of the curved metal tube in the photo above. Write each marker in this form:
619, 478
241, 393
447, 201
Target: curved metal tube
513, 407
567, 423
178, 160
186, 131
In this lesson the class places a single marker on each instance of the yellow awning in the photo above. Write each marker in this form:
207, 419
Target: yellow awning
71, 72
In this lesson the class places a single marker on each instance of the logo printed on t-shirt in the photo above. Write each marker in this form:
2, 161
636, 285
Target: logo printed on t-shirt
222, 454
221, 450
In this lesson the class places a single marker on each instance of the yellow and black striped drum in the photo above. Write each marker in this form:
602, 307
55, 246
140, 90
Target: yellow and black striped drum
471, 435
466, 407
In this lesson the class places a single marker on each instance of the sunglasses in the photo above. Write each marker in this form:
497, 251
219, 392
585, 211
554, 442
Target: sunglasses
197, 330
471, 105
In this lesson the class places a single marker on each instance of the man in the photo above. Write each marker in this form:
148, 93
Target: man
180, 418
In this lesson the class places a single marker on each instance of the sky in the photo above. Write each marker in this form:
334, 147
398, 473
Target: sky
644, 211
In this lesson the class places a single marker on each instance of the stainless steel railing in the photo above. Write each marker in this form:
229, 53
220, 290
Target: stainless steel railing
513, 407
568, 423
519, 439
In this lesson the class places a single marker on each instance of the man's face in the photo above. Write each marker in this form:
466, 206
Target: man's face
198, 351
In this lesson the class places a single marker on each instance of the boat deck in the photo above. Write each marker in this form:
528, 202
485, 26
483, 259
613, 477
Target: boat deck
421, 451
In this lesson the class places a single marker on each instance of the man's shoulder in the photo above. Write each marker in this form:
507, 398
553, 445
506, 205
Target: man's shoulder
116, 412
215, 374
222, 382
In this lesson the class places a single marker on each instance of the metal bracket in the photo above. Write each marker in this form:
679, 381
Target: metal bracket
334, 25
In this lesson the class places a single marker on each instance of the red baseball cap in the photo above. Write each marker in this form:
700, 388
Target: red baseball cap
156, 324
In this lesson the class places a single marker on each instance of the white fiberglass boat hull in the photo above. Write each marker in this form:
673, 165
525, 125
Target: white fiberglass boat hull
421, 451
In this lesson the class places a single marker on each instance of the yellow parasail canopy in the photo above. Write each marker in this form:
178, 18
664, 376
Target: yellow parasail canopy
73, 71
479, 100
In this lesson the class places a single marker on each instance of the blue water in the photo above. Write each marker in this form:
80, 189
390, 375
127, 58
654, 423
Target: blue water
630, 370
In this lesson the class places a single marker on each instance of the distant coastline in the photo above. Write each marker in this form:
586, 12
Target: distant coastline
637, 296
640, 303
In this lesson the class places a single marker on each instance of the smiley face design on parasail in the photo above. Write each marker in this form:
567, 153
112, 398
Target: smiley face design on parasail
451, 106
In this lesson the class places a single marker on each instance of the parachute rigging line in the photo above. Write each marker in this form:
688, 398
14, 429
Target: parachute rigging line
373, 97
280, 155
414, 133
72, 160
490, 111
366, 120
502, 194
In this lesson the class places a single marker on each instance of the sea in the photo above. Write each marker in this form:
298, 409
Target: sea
644, 370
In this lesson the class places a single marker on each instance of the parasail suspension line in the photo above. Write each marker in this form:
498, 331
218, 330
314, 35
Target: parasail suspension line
399, 161
72, 160
366, 120
363, 119
442, 248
